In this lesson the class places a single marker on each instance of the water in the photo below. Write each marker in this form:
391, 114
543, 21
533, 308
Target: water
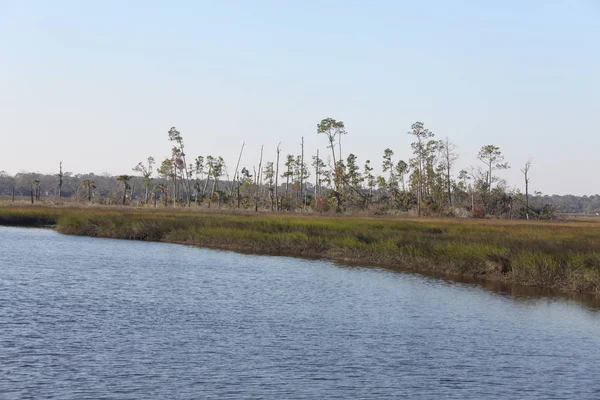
95, 318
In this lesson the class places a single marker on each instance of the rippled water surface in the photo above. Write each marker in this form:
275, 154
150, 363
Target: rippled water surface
95, 318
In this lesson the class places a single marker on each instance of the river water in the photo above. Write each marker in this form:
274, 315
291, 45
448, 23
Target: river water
106, 319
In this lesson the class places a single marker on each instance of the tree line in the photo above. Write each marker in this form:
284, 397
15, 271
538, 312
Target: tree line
426, 184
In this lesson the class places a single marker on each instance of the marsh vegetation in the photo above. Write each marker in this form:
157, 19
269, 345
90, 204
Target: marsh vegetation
564, 255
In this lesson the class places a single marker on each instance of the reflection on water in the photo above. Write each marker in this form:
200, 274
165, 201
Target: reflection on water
517, 292
97, 318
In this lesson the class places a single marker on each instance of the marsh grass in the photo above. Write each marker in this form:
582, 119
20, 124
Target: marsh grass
562, 255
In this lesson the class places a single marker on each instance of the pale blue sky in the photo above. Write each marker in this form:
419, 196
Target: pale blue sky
98, 84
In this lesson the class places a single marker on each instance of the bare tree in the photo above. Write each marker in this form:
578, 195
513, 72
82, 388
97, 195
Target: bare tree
60, 179
236, 178
317, 163
277, 178
525, 172
302, 175
258, 178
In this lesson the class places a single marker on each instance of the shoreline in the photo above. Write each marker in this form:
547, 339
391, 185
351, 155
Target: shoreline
559, 256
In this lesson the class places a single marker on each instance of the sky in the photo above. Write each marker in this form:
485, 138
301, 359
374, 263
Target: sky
98, 84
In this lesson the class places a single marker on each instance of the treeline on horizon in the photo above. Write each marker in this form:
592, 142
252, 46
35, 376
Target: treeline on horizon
425, 185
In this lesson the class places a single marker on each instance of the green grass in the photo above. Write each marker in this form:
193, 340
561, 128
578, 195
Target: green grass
561, 255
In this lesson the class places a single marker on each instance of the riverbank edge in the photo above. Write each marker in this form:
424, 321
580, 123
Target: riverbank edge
352, 250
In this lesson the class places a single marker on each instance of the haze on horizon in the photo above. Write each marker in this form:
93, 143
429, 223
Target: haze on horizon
98, 84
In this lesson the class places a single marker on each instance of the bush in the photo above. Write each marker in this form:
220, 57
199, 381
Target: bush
478, 211
321, 204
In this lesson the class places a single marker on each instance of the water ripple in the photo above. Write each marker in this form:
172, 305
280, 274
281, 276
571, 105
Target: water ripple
85, 318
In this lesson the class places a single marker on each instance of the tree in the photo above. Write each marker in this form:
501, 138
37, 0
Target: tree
245, 182
217, 166
146, 170
210, 162
269, 174
124, 179
318, 165
175, 136
354, 177
462, 188
289, 163
7, 184
369, 177
420, 150
277, 178
388, 166
449, 157
236, 175
433, 175
88, 185
525, 172
492, 157
36, 189
300, 174
402, 169
258, 180
303, 175
167, 172
199, 171
163, 193
332, 128
177, 165
60, 179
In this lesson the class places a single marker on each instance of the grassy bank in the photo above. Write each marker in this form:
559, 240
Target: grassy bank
560, 255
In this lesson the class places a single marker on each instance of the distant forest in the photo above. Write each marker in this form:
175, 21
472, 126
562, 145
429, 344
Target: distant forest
425, 184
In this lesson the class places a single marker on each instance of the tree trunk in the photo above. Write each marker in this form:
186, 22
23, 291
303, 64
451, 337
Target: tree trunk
317, 176
60, 180
335, 170
187, 187
235, 174
207, 180
212, 192
526, 197
489, 178
302, 174
258, 180
174, 182
448, 183
277, 180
